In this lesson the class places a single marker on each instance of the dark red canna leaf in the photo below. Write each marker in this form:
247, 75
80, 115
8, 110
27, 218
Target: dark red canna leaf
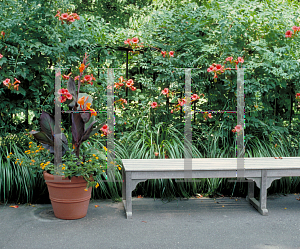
77, 128
72, 89
87, 133
47, 124
85, 116
42, 137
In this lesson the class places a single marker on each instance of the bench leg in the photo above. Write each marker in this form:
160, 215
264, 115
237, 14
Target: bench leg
263, 193
250, 190
123, 185
263, 183
126, 193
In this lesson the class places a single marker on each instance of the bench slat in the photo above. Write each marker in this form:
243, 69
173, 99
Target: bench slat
210, 164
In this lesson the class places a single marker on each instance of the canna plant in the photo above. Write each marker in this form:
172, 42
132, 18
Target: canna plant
78, 168
90, 162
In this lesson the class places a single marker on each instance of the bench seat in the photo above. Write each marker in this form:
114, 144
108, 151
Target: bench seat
261, 170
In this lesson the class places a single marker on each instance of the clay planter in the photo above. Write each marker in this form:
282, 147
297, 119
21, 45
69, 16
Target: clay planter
68, 198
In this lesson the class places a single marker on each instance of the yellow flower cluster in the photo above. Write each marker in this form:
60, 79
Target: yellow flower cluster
40, 147
19, 163
95, 157
43, 165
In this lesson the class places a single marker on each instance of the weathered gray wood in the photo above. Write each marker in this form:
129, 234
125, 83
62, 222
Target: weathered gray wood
256, 205
257, 180
262, 170
250, 190
211, 164
263, 193
153, 174
128, 201
260, 206
123, 184
135, 183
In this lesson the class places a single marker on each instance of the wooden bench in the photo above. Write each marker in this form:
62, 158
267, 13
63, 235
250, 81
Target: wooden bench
263, 171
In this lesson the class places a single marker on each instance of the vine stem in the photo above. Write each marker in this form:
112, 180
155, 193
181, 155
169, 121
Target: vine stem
17, 60
46, 99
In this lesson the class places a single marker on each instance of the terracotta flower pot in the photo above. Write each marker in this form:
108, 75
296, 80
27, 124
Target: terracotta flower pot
68, 198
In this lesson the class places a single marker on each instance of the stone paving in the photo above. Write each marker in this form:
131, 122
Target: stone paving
193, 223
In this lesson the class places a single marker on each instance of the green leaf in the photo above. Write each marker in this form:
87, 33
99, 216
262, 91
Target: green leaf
87, 124
174, 100
100, 154
96, 129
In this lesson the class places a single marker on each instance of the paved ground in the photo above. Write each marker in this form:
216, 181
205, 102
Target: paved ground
194, 223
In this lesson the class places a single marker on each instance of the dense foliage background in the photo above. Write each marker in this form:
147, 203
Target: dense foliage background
200, 33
